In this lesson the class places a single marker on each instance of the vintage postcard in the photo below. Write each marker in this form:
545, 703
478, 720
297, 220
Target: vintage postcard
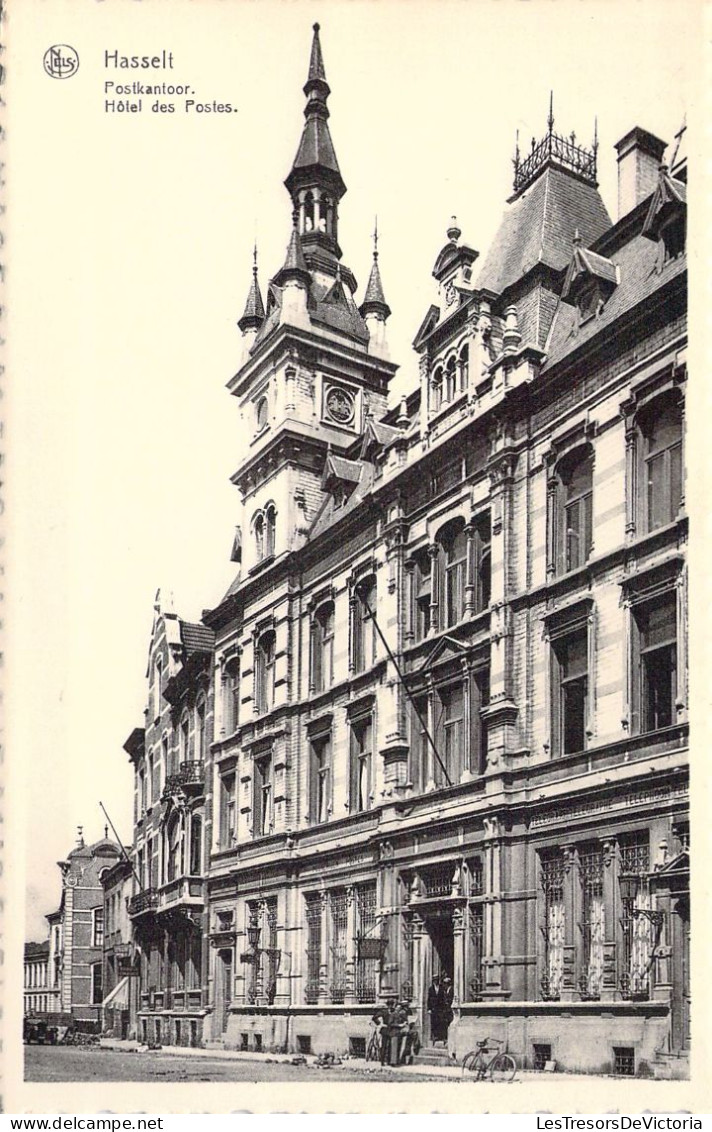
356, 495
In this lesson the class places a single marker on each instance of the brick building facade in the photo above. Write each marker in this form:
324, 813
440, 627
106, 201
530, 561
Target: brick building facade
438, 723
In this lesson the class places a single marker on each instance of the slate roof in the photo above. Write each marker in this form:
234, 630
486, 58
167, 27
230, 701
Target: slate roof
331, 514
196, 638
539, 226
342, 469
254, 312
637, 262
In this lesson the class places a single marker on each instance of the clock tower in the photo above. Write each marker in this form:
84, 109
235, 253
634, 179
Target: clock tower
314, 364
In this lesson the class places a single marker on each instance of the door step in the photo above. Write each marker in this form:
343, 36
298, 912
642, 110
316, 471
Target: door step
433, 1055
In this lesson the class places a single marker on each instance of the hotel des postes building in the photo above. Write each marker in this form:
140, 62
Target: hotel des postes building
438, 723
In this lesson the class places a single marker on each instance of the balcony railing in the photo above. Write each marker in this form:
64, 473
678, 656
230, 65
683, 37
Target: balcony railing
189, 774
143, 902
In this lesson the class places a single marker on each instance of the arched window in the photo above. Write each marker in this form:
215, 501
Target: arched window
660, 426
323, 647
363, 629
200, 743
450, 379
464, 366
174, 849
309, 212
262, 413
573, 509
324, 217
258, 526
231, 701
270, 529
454, 544
437, 390
264, 672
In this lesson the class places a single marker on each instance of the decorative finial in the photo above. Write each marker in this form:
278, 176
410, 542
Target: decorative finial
577, 241
80, 836
254, 260
106, 832
454, 231
595, 134
516, 150
375, 238
550, 120
316, 28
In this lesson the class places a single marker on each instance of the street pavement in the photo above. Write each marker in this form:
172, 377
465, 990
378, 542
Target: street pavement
119, 1061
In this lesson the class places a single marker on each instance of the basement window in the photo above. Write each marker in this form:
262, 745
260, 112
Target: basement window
542, 1054
624, 1061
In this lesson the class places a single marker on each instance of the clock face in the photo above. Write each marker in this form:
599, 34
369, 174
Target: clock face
340, 405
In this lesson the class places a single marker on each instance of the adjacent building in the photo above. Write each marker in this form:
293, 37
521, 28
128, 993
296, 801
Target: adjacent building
438, 723
40, 994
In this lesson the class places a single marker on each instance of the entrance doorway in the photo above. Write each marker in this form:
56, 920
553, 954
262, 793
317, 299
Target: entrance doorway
441, 961
223, 979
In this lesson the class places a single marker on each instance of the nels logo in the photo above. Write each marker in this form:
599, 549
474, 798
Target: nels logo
61, 61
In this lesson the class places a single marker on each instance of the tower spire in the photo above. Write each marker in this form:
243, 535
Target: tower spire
315, 183
374, 301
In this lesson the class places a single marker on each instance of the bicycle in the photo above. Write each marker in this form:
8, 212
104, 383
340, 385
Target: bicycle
373, 1048
500, 1067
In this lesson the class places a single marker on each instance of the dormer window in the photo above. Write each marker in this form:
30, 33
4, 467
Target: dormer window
672, 235
588, 302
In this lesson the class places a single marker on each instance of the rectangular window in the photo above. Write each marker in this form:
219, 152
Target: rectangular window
422, 595
320, 779
638, 932
97, 986
570, 691
313, 919
578, 531
450, 735
656, 683
263, 817
337, 943
361, 765
553, 927
227, 811
231, 700
593, 920
419, 745
98, 933
366, 926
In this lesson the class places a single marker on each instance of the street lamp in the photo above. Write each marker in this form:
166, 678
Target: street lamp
253, 936
629, 884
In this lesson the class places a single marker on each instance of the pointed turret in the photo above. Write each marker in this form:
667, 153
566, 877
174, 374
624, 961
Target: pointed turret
374, 309
294, 280
254, 313
315, 183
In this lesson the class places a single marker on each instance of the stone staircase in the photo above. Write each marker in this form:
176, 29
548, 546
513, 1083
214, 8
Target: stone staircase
434, 1055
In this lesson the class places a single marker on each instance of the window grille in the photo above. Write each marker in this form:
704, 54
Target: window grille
553, 929
366, 969
477, 925
313, 918
592, 920
437, 881
271, 942
542, 1054
637, 930
337, 907
624, 1061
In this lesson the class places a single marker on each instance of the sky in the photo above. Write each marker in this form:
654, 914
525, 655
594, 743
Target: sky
130, 239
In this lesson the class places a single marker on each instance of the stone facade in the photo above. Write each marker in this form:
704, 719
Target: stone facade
445, 698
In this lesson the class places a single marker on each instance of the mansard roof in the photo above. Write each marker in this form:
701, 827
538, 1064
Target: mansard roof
538, 228
640, 276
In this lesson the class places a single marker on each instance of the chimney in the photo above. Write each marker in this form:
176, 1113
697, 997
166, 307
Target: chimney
639, 157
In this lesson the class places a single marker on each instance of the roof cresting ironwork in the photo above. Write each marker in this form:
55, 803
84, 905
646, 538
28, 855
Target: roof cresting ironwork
556, 148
